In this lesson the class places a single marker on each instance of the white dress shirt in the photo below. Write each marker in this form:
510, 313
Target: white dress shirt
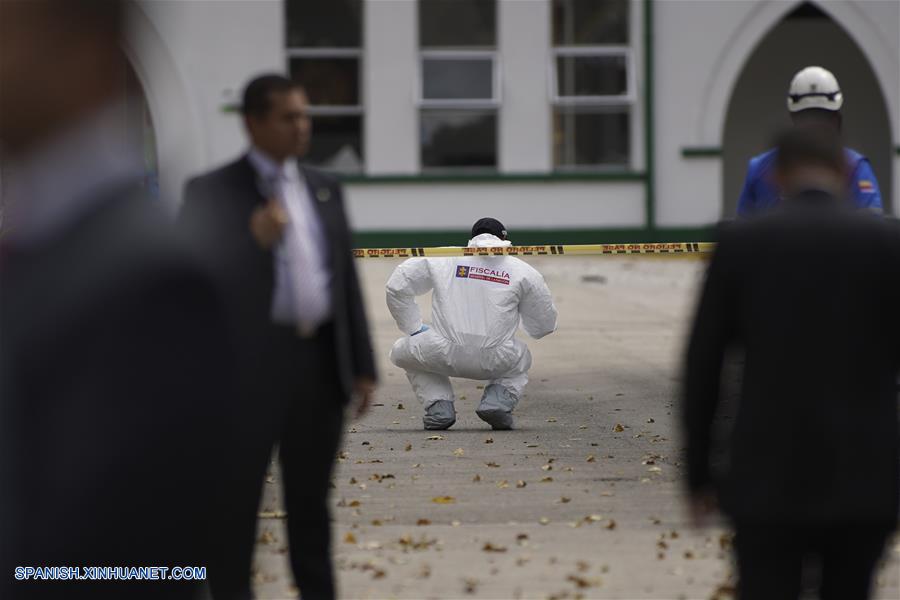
302, 294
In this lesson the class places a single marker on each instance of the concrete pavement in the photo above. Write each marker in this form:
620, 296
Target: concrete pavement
581, 500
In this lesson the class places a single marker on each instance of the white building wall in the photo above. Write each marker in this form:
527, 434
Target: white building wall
521, 205
688, 191
695, 75
194, 57
390, 66
524, 50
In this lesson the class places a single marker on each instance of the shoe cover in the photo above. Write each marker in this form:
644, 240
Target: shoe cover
496, 407
441, 414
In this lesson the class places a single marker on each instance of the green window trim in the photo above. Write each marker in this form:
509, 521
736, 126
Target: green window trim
463, 178
701, 152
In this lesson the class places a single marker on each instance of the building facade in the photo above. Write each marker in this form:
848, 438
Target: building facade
569, 120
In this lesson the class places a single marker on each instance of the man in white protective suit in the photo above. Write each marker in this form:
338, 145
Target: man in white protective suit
477, 305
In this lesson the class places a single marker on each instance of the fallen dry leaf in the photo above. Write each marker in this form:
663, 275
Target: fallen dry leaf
489, 441
725, 591
582, 582
434, 438
492, 464
408, 447
421, 522
591, 458
489, 547
520, 484
459, 452
443, 500
618, 428
349, 538
266, 538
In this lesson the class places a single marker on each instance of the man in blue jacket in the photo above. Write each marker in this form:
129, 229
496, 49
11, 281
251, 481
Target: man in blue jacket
814, 100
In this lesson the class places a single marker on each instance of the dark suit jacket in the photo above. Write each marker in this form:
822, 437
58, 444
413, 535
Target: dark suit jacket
812, 295
216, 212
111, 401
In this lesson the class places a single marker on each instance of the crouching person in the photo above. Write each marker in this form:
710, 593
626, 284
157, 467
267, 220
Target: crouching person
477, 305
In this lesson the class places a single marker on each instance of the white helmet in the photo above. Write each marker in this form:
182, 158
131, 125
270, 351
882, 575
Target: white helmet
814, 87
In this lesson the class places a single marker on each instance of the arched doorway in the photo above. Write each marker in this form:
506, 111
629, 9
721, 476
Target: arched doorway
756, 110
139, 128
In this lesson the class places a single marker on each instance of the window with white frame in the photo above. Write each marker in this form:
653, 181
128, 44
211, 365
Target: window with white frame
459, 87
592, 84
324, 50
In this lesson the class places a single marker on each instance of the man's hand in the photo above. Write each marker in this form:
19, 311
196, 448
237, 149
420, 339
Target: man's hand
267, 224
363, 389
703, 506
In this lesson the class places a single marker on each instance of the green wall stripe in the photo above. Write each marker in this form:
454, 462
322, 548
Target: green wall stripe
526, 237
701, 151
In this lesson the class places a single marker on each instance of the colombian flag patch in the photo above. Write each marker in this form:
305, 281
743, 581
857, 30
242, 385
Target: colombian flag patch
866, 186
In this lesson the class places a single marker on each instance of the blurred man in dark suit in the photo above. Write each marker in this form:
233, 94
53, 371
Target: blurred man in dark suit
111, 342
278, 235
810, 293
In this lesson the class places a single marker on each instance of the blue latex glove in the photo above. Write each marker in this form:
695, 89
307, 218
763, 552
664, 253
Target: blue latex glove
424, 328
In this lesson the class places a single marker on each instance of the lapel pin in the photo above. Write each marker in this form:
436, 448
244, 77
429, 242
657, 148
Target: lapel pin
323, 194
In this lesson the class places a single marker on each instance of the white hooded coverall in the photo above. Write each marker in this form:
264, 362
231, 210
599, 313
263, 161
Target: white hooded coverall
477, 305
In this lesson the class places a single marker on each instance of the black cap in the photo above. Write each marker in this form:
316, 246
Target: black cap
489, 225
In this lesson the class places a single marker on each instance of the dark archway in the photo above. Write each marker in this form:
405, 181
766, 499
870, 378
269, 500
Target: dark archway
757, 109
139, 128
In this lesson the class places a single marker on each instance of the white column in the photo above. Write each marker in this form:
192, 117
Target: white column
391, 47
524, 48
193, 58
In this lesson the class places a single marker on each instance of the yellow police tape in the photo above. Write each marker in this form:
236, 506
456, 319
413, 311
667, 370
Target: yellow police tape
668, 248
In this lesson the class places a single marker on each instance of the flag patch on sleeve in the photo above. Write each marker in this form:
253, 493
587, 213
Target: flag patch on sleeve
866, 186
